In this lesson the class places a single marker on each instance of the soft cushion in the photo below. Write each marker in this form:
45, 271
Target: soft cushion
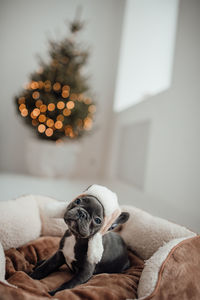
179, 275
19, 221
145, 234
21, 261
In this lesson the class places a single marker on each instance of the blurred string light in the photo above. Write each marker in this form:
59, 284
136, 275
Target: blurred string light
53, 103
65, 115
60, 105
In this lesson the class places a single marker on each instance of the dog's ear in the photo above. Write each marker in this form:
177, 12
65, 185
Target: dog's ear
123, 218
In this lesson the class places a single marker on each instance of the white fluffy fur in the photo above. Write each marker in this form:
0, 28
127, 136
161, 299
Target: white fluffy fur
19, 222
145, 234
95, 249
56, 209
52, 221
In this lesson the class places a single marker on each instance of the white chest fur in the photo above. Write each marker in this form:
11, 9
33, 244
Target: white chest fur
68, 250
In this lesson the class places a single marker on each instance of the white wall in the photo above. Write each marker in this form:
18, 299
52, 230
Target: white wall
25, 26
172, 172
146, 54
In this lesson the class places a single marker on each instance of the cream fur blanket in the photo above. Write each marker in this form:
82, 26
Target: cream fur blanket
23, 220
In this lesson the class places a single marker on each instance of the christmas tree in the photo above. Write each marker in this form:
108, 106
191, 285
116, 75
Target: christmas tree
54, 102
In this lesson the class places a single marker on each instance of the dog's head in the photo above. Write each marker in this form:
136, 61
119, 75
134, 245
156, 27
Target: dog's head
85, 216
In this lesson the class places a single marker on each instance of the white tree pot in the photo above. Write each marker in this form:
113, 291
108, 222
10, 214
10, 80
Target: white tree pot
46, 158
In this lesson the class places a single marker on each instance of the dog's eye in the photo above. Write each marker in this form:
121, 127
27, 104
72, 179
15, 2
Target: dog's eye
97, 220
77, 201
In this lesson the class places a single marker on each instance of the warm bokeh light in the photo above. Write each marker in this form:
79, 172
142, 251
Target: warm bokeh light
36, 112
60, 118
32, 116
51, 106
35, 122
41, 84
58, 125
56, 100
68, 130
70, 104
65, 94
24, 112
87, 123
22, 106
36, 95
66, 112
42, 118
60, 105
92, 108
21, 100
34, 85
41, 128
43, 108
50, 118
56, 86
87, 101
49, 132
66, 88
50, 123
38, 103
72, 135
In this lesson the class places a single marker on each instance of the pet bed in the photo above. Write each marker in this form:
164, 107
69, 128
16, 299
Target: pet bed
164, 257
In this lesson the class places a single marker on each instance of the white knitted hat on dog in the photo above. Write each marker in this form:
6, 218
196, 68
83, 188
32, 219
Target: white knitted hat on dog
107, 198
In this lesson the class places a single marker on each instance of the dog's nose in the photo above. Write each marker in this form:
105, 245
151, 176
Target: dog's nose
81, 214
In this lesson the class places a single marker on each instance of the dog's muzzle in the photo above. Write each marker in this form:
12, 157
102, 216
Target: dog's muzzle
78, 221
82, 214
75, 214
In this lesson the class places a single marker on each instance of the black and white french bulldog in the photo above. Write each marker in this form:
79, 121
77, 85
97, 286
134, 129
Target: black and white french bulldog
84, 217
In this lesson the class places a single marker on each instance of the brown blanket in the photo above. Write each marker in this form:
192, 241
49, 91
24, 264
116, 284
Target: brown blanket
21, 261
